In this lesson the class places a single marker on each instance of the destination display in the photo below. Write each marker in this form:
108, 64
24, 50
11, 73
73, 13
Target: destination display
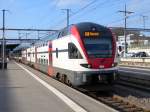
91, 34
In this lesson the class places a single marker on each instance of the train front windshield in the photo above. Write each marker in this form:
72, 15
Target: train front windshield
97, 40
98, 48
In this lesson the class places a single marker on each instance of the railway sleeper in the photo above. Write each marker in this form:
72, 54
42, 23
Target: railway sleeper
133, 110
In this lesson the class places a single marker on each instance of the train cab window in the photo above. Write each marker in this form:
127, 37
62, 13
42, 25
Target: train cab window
97, 40
73, 52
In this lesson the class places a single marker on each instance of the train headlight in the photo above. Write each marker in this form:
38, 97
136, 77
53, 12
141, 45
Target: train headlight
86, 65
89, 66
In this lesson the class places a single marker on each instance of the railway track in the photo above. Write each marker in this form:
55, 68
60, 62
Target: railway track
138, 90
134, 85
109, 97
134, 82
113, 100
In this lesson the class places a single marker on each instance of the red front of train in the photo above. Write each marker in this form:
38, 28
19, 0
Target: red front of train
99, 47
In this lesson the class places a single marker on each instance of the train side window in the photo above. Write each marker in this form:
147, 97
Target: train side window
47, 61
56, 52
29, 54
73, 52
59, 34
43, 61
64, 32
39, 61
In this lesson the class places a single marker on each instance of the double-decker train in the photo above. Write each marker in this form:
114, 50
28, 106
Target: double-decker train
80, 54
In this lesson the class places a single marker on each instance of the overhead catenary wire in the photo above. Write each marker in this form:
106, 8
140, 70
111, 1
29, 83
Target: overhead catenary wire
78, 11
86, 8
130, 19
90, 10
83, 8
119, 20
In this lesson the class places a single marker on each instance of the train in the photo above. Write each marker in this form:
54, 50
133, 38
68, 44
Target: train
80, 54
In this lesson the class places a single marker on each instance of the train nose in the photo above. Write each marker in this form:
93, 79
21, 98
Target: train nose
100, 63
97, 63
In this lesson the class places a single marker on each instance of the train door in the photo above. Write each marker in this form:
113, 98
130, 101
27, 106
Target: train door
50, 66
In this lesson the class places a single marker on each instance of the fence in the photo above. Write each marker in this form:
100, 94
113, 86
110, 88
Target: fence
136, 61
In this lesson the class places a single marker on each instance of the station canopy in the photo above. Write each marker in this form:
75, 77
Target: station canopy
22, 46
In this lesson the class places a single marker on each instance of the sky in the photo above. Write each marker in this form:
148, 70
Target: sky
48, 14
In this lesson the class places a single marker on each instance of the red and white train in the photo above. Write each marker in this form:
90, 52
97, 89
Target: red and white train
79, 54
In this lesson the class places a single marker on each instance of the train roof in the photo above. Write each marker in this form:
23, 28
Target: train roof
88, 24
91, 25
47, 38
66, 30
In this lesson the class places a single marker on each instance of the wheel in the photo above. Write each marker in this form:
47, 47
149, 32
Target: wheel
58, 77
66, 80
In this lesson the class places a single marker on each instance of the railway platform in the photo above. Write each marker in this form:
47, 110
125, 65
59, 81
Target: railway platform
23, 89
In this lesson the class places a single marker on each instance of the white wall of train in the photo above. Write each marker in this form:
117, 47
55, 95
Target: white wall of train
76, 74
57, 63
